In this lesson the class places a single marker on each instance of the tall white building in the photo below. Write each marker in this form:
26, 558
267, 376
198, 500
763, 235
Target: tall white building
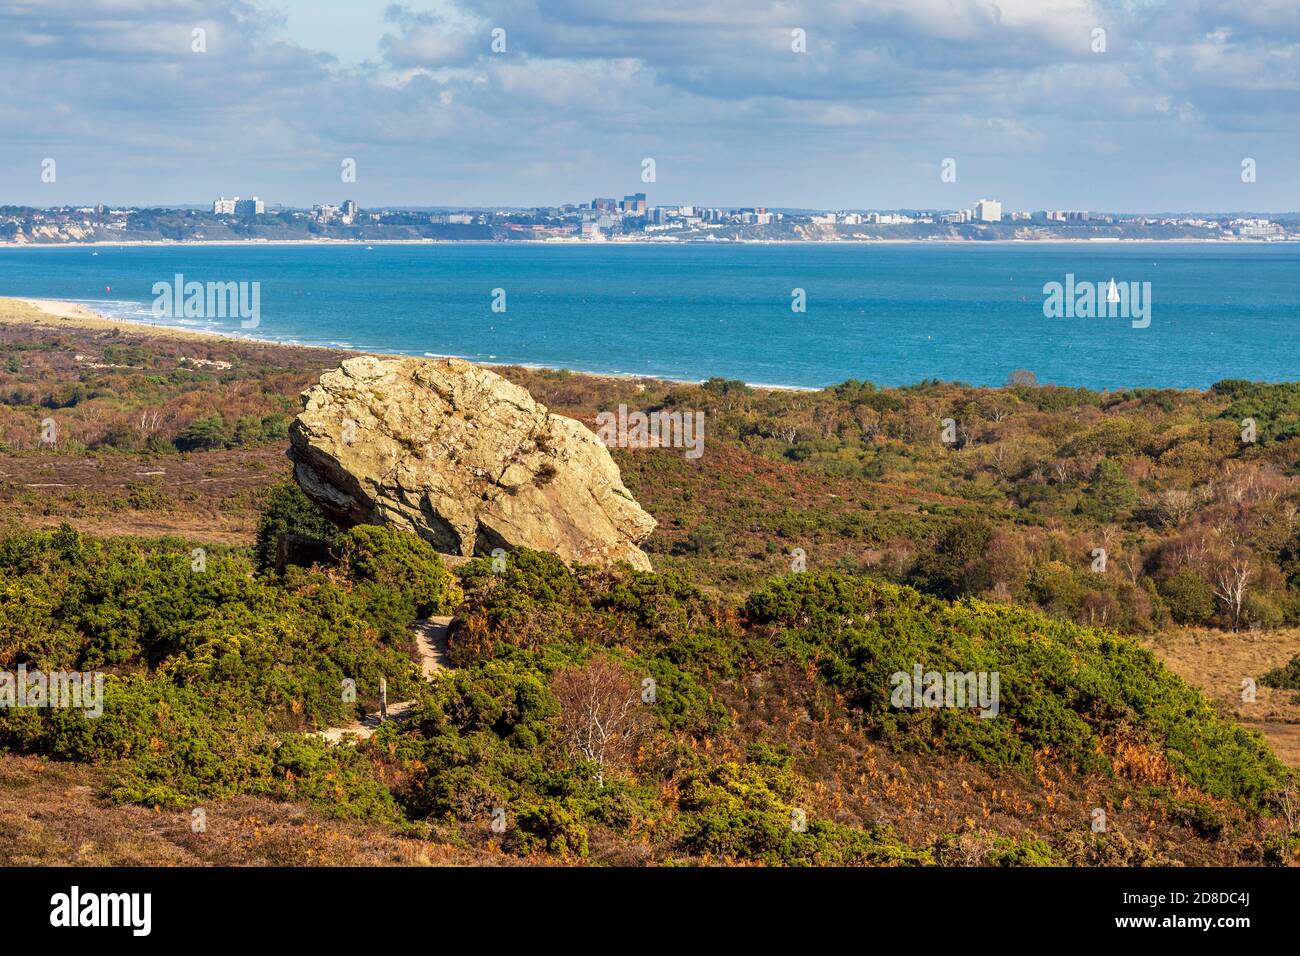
223, 207
987, 210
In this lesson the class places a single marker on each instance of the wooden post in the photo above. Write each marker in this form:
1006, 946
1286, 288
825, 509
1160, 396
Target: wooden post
383, 698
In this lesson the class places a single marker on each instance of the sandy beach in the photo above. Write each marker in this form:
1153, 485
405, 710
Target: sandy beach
57, 314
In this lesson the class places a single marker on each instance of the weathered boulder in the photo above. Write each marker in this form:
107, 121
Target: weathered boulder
465, 459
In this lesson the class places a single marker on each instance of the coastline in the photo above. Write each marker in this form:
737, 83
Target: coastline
60, 313
187, 243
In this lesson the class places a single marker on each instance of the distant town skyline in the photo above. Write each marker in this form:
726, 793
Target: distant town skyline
1129, 106
1005, 210
630, 219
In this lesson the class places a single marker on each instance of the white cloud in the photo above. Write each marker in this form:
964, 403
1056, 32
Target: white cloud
713, 91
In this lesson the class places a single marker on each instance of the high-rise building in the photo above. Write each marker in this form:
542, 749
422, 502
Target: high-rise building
349, 209
634, 204
987, 210
248, 208
224, 207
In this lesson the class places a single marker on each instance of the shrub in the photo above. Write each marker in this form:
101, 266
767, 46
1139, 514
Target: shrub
1260, 610
203, 434
552, 827
1286, 677
747, 811
401, 561
1063, 687
210, 668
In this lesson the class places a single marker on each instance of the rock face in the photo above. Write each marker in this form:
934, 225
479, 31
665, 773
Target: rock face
463, 458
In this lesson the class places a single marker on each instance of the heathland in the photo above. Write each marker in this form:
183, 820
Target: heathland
1127, 562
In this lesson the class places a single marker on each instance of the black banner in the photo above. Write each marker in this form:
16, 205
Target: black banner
342, 906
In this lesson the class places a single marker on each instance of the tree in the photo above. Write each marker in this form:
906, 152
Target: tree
1289, 562
958, 563
1230, 577
1190, 600
148, 423
1108, 494
1100, 609
1289, 804
1173, 506
288, 511
601, 713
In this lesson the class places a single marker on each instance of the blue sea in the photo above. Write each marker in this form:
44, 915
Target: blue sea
890, 314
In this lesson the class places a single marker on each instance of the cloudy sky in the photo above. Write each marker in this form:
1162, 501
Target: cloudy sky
1015, 91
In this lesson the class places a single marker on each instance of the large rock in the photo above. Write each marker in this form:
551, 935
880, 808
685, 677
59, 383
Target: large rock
463, 458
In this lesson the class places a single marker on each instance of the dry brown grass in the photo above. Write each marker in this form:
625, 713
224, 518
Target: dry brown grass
51, 815
1217, 661
203, 496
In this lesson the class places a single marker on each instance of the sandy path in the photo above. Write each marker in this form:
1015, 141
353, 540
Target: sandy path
431, 645
431, 639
